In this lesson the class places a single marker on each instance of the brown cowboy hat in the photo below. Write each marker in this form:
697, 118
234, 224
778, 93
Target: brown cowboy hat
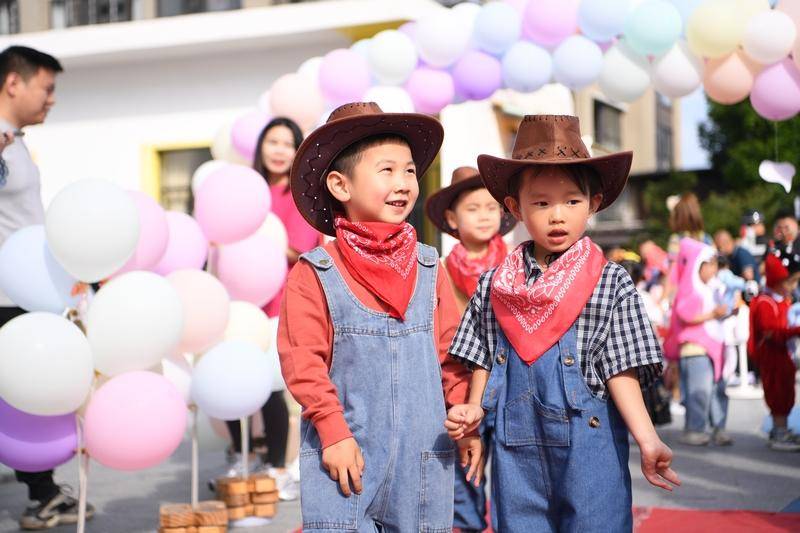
346, 126
554, 140
464, 179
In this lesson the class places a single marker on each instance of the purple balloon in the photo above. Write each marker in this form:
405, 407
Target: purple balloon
245, 132
776, 91
344, 76
33, 443
430, 89
477, 75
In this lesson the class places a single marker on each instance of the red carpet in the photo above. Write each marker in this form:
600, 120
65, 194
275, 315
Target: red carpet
658, 520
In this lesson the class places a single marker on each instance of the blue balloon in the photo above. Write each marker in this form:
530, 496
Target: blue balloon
526, 67
497, 27
30, 276
602, 20
653, 27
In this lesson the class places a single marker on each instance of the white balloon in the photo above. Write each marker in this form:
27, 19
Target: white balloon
677, 73
466, 12
222, 145
769, 36
527, 67
309, 69
263, 103
92, 229
625, 76
278, 383
247, 322
392, 57
178, 371
275, 230
391, 99
232, 380
577, 62
134, 321
442, 38
45, 364
204, 171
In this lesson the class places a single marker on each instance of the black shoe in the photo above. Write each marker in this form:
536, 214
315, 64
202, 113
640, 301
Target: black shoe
60, 509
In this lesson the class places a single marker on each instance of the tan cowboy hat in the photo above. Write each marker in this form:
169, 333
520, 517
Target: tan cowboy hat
464, 179
554, 140
346, 126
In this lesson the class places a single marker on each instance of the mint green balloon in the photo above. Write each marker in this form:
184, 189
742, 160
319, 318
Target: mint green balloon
653, 27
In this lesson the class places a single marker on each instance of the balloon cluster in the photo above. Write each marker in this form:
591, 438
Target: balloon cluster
120, 358
732, 48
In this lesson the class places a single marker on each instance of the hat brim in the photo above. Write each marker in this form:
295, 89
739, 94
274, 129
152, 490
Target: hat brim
443, 199
613, 170
313, 159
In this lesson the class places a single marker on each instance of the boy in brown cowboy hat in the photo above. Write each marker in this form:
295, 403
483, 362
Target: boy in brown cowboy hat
364, 331
468, 212
556, 332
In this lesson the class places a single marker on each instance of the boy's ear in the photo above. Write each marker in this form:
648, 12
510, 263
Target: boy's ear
338, 185
451, 219
594, 203
513, 206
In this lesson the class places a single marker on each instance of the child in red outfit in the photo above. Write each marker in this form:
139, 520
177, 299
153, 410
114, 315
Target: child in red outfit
769, 333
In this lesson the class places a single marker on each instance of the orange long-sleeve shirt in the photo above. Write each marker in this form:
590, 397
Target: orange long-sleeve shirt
305, 345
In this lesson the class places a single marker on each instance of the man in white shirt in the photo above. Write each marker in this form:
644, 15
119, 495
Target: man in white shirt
26, 96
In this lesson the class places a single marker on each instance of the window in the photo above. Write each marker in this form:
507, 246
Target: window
171, 8
68, 13
177, 168
9, 17
607, 126
664, 153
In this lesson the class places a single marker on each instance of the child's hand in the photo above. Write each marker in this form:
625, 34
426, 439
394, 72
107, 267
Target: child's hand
721, 311
344, 464
656, 461
470, 453
462, 419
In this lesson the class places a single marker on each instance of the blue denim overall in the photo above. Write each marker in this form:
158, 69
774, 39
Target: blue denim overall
389, 381
470, 501
560, 457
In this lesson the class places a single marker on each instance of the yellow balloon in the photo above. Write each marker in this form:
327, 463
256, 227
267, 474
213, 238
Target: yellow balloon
716, 27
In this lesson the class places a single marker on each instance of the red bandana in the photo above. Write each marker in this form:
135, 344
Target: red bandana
382, 257
465, 270
534, 317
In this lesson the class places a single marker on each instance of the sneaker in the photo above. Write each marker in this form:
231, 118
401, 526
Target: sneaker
721, 438
782, 440
236, 469
61, 509
287, 487
734, 381
676, 408
694, 438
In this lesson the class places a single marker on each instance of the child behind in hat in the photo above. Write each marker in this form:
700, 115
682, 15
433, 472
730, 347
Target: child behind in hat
364, 331
468, 212
554, 333
769, 333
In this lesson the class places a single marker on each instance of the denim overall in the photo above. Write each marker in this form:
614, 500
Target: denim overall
389, 381
560, 457
470, 501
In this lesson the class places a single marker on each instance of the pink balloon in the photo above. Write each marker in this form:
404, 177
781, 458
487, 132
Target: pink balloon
430, 89
252, 270
153, 234
134, 421
245, 132
295, 97
548, 22
344, 76
187, 246
232, 204
205, 309
776, 91
729, 79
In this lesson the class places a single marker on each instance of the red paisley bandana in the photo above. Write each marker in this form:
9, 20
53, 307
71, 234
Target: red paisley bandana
465, 270
382, 257
534, 317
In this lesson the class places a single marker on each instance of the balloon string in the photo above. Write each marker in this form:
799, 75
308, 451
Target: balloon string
83, 477
195, 458
244, 423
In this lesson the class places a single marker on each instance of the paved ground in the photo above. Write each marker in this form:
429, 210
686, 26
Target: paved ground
745, 476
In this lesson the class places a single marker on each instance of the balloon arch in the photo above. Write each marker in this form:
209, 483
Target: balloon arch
734, 49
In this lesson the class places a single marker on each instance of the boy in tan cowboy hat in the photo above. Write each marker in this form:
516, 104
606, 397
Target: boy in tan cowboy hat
561, 345
364, 331
468, 212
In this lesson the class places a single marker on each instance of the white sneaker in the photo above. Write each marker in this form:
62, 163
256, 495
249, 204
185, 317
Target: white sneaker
782, 440
676, 408
287, 487
236, 469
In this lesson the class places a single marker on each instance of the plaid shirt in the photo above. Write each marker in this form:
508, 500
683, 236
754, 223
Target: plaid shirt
614, 333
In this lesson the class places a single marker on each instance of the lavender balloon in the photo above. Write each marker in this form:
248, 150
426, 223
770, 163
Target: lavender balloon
776, 91
430, 89
477, 75
33, 443
344, 76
